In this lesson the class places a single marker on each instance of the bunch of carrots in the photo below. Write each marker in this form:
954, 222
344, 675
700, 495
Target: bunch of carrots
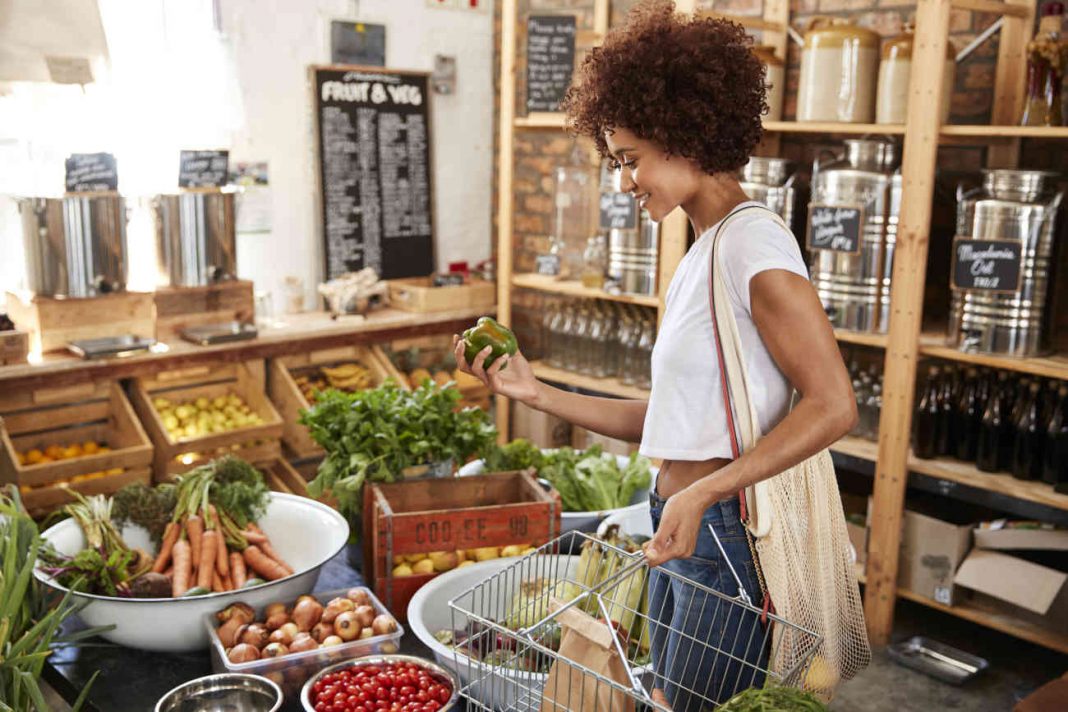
206, 548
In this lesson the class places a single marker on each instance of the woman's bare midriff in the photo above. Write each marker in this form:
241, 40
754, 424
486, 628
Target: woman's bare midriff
677, 475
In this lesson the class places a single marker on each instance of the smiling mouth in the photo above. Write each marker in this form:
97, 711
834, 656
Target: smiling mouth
642, 199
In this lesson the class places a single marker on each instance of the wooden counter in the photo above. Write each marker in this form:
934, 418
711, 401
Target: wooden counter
296, 333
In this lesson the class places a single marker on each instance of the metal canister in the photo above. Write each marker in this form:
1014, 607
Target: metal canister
855, 288
196, 242
632, 257
771, 181
1018, 206
75, 246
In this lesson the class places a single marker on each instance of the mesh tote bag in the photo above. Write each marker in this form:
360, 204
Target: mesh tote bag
796, 526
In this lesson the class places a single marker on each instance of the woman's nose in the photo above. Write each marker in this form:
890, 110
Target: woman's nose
626, 181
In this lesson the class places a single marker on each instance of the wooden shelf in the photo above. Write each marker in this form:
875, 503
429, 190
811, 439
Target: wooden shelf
574, 288
861, 338
608, 386
998, 132
934, 345
993, 6
857, 447
966, 473
984, 615
541, 120
830, 127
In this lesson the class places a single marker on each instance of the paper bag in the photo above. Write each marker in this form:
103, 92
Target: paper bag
586, 647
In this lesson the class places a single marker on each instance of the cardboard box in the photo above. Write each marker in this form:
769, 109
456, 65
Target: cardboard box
1008, 539
1023, 589
857, 509
931, 551
540, 428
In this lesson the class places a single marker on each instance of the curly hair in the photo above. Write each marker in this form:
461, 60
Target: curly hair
691, 85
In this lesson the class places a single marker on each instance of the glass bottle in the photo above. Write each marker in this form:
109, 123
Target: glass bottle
1055, 456
945, 411
967, 416
645, 353
594, 262
568, 357
861, 395
925, 422
1027, 445
555, 342
581, 334
1045, 70
629, 373
988, 453
874, 408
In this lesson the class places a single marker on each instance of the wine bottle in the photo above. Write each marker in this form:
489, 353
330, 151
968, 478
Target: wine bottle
1027, 447
1055, 457
925, 422
987, 456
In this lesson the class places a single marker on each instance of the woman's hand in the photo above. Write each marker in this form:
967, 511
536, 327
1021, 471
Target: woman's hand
680, 524
516, 382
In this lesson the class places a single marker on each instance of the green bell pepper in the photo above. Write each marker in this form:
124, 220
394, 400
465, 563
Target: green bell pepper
487, 332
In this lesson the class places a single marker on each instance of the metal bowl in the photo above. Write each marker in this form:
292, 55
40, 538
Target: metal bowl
228, 691
434, 669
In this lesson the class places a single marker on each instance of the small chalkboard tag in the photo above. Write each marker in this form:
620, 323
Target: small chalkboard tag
203, 169
91, 171
987, 265
835, 227
550, 60
618, 211
547, 265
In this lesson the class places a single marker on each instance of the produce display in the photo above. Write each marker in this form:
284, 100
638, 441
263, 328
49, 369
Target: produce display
58, 453
204, 416
440, 561
773, 699
487, 332
349, 376
588, 481
375, 434
307, 625
402, 685
205, 524
599, 561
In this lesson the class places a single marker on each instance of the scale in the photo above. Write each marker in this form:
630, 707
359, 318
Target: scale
225, 332
117, 346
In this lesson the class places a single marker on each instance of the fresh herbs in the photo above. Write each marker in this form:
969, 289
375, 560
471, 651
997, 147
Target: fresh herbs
588, 481
773, 699
149, 507
375, 434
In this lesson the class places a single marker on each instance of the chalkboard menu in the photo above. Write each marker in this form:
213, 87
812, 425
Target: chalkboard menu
987, 265
837, 228
203, 169
618, 211
550, 60
373, 149
91, 171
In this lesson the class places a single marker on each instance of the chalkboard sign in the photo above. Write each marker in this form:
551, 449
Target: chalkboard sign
837, 228
987, 265
619, 211
203, 169
373, 151
550, 60
91, 171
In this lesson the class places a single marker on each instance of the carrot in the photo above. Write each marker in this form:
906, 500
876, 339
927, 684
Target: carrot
254, 537
237, 568
183, 564
194, 527
170, 536
216, 582
170, 571
263, 565
207, 556
222, 560
228, 583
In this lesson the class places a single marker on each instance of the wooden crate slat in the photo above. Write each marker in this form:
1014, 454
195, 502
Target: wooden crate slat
45, 499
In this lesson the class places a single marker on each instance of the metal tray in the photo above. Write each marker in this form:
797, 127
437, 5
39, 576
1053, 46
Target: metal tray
938, 660
206, 334
110, 346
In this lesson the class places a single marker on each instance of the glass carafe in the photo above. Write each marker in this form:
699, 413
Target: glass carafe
645, 353
581, 335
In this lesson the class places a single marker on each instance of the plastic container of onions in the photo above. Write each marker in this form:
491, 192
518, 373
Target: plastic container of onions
290, 671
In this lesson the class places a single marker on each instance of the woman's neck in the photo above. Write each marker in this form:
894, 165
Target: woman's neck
717, 195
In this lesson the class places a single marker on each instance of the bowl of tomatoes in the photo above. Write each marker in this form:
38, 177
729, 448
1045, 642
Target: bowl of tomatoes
416, 685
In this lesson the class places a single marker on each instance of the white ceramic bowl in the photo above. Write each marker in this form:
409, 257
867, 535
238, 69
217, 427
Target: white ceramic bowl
582, 521
429, 612
304, 532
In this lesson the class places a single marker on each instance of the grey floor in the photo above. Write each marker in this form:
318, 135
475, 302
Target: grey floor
1016, 669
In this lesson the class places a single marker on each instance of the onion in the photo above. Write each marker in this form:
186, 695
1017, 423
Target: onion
243, 653
384, 625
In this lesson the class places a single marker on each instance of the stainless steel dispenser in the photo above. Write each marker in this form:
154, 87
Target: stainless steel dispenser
771, 182
196, 243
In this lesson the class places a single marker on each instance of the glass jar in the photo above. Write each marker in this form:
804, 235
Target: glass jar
564, 351
581, 341
594, 262
645, 353
1046, 55
629, 334
575, 206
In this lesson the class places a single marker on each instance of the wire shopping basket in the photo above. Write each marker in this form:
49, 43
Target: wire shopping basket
695, 652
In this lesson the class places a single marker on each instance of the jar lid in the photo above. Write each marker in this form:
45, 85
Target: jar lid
900, 47
832, 32
767, 55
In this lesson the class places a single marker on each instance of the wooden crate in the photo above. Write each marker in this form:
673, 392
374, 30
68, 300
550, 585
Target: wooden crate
255, 443
288, 399
14, 347
420, 516
283, 477
434, 353
416, 294
98, 412
53, 323
180, 307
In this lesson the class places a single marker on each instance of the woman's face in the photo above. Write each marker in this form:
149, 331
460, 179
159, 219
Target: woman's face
659, 182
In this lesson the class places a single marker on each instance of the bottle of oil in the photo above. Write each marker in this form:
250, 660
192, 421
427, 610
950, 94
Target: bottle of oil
1055, 456
946, 399
967, 416
1027, 447
925, 421
988, 452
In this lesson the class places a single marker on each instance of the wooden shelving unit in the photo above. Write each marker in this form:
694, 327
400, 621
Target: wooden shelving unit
905, 343
574, 288
608, 386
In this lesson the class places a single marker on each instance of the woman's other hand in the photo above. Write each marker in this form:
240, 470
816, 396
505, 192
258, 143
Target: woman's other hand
516, 382
680, 524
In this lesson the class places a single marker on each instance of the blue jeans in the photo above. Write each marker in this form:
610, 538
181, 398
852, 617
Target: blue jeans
705, 648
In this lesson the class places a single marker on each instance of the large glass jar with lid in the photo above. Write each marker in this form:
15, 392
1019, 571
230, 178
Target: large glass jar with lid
575, 193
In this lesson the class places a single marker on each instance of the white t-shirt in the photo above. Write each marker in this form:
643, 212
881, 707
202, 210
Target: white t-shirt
686, 418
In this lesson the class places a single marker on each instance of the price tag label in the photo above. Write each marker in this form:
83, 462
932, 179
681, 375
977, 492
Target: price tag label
618, 211
203, 169
837, 228
987, 265
91, 172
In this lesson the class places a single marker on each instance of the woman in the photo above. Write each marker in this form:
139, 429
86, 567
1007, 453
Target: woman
676, 105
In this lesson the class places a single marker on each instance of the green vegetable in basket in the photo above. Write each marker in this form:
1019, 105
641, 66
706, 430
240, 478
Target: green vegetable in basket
773, 699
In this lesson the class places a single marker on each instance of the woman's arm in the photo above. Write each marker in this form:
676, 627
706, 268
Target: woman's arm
622, 419
795, 329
